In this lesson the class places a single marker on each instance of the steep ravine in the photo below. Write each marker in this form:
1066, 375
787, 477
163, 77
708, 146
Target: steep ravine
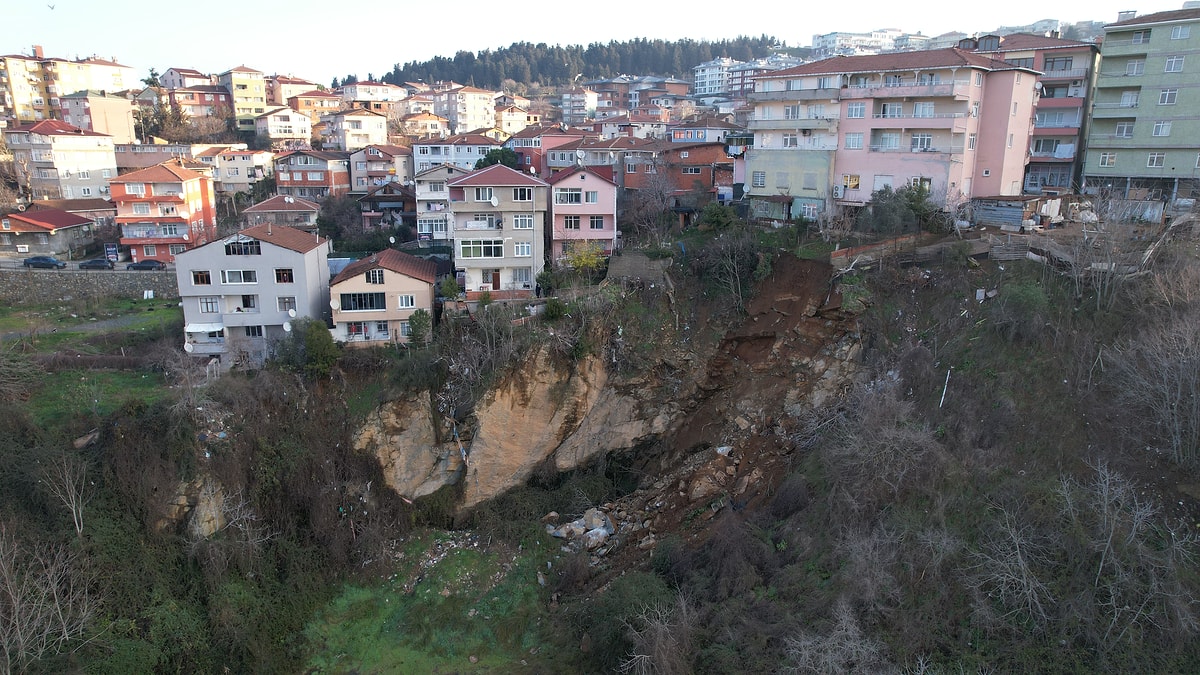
794, 347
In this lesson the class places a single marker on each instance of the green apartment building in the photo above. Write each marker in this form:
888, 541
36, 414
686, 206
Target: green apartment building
1144, 141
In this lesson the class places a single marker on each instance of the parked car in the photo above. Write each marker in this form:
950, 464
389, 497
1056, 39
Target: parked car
147, 265
96, 264
44, 262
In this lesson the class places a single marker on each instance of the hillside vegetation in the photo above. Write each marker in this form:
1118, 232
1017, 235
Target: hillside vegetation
1001, 486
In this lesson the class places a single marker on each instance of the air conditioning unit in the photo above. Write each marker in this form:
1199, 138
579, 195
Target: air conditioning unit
1076, 83
22, 248
838, 191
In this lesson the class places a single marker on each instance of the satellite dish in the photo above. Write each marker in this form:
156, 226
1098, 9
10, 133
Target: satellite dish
580, 154
189, 347
495, 202
292, 313
183, 214
287, 326
392, 240
532, 170
333, 304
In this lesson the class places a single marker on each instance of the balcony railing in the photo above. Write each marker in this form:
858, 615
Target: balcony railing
883, 116
480, 225
795, 95
1069, 74
938, 149
892, 90
1115, 105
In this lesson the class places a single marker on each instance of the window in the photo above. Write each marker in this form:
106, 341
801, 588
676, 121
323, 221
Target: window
176, 249
789, 141
978, 79
1162, 128
244, 247
596, 222
522, 249
1058, 63
889, 141
792, 112
523, 194
363, 302
1168, 96
851, 181
1010, 140
249, 302
1014, 110
854, 141
892, 110
201, 278
483, 194
523, 276
141, 209
1045, 146
314, 175
857, 110
808, 211
568, 196
481, 248
210, 305
758, 179
138, 189
85, 174
591, 197
356, 329
1129, 99
239, 277
630, 168
1140, 37
1156, 160
437, 186
571, 222
233, 171
816, 111
923, 109
285, 303
284, 275
148, 251
972, 139
406, 301
1181, 32
1124, 130
254, 331
1108, 159
1021, 63
375, 276
1174, 64
522, 221
922, 142
106, 173
405, 329
1135, 67
893, 81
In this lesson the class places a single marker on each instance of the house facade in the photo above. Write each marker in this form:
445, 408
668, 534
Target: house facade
583, 211
56, 160
312, 174
248, 92
315, 103
179, 78
376, 165
465, 108
202, 100
374, 298
239, 170
101, 112
164, 210
282, 87
433, 201
1144, 141
284, 128
1061, 112
46, 232
241, 293
462, 151
283, 211
350, 130
31, 85
498, 227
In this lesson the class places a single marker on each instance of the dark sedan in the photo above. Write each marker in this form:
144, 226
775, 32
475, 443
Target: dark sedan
44, 262
147, 265
96, 264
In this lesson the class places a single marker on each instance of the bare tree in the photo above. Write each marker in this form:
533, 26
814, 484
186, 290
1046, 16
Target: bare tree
662, 640
1009, 569
45, 604
844, 649
65, 477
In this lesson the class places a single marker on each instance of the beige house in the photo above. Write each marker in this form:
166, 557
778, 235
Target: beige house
351, 130
374, 298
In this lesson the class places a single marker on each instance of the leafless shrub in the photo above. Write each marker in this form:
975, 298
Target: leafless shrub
736, 556
662, 640
1009, 570
18, 375
46, 605
844, 649
64, 476
870, 559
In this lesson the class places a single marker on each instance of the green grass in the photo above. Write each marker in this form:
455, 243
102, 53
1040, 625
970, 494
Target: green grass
64, 396
433, 617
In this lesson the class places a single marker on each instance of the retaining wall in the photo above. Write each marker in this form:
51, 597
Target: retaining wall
35, 286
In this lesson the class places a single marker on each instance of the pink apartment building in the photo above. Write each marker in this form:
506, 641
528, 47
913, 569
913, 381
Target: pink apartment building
584, 209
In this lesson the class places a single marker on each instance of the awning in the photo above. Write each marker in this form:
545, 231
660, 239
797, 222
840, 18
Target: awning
203, 327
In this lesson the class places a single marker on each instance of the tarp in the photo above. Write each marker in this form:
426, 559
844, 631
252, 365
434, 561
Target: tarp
203, 327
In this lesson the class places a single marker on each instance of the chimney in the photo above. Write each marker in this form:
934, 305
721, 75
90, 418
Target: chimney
1126, 15
37, 52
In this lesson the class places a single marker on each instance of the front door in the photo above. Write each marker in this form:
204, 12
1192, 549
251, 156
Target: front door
492, 277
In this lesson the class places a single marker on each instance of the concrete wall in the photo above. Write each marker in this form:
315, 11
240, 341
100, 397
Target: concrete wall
29, 287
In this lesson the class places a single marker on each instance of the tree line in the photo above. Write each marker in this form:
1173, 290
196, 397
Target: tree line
524, 62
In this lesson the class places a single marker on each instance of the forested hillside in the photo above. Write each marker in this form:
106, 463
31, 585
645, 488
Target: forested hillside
549, 65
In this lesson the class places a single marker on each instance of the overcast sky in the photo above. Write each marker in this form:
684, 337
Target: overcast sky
310, 39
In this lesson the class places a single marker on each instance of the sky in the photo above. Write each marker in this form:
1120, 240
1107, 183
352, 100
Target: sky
308, 39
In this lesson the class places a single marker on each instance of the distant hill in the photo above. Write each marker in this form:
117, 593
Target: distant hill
524, 63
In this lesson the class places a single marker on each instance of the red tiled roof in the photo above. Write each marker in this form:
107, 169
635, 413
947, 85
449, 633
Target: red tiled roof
497, 174
316, 93
94, 204
560, 176
171, 171
55, 128
283, 203
286, 237
460, 139
44, 220
390, 259
951, 57
1158, 17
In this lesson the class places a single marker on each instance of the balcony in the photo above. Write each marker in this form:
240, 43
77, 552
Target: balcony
1111, 110
941, 149
1063, 129
796, 95
152, 233
1052, 156
956, 122
1112, 47
959, 89
1070, 74
479, 225
818, 123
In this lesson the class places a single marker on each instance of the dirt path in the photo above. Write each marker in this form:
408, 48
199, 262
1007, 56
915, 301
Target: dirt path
100, 325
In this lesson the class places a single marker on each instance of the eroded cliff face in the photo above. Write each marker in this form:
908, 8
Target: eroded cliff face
794, 347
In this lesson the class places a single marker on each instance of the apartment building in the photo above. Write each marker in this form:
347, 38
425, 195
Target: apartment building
182, 78
584, 211
953, 122
466, 108
377, 165
712, 77
31, 85
56, 160
284, 128
375, 297
462, 150
1144, 141
312, 174
315, 103
248, 91
351, 130
164, 210
101, 112
499, 225
282, 87
578, 105
433, 201
1068, 71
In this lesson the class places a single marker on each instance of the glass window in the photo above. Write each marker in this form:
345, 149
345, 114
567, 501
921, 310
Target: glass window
592, 196
210, 305
1174, 64
285, 302
239, 277
244, 247
363, 302
283, 275
596, 222
481, 248
854, 141
375, 276
1168, 96
568, 196
1181, 32
571, 222
1156, 160
856, 110
523, 194
201, 278
1162, 128
406, 301
1108, 159
522, 221
758, 179
522, 249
